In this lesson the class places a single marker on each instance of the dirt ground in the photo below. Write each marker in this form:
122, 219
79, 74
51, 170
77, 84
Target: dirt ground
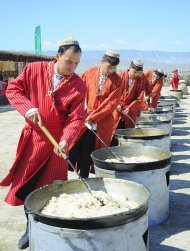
171, 235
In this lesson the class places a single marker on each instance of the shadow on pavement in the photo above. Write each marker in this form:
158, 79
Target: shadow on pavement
180, 115
172, 226
180, 132
179, 121
175, 158
178, 110
179, 168
180, 184
184, 128
178, 146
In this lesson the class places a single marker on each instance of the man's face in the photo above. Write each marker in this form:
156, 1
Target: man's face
67, 62
107, 68
133, 73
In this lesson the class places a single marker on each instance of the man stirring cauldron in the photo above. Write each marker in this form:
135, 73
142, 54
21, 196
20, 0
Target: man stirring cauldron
49, 93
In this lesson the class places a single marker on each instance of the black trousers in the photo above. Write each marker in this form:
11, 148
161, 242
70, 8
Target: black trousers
79, 154
121, 125
29, 187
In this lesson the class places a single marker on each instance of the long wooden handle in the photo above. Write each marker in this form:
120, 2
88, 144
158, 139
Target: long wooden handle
52, 140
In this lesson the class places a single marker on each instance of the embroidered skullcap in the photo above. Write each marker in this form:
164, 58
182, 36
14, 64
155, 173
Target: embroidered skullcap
159, 72
68, 41
113, 54
165, 74
137, 65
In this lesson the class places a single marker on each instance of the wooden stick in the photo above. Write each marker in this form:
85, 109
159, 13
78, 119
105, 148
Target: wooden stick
52, 140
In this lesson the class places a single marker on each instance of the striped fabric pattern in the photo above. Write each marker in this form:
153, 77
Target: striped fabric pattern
107, 103
155, 88
64, 121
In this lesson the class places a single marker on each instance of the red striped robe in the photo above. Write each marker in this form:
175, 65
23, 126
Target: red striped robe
101, 109
155, 88
132, 98
174, 81
64, 122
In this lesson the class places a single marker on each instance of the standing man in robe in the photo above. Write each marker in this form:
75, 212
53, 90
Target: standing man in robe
49, 93
103, 94
175, 80
155, 79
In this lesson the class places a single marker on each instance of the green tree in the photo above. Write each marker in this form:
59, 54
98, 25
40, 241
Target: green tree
188, 78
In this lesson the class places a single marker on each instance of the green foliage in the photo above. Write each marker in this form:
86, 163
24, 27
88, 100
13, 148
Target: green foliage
188, 79
186, 76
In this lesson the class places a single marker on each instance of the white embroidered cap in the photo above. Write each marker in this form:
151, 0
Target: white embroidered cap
68, 41
112, 53
137, 65
159, 72
165, 74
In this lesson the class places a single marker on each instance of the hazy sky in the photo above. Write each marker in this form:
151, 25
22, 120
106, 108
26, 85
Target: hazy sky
162, 25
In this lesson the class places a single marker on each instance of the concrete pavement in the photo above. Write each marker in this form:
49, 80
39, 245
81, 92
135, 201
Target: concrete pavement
171, 235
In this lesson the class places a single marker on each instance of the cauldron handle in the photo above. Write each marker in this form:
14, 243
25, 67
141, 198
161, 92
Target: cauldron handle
72, 233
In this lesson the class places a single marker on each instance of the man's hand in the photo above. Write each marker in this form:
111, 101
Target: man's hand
126, 111
151, 109
88, 120
64, 147
146, 98
34, 117
119, 108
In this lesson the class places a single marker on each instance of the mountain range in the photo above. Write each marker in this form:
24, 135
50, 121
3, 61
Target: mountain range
152, 59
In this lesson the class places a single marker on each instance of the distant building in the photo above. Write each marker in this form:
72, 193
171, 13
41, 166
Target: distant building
12, 63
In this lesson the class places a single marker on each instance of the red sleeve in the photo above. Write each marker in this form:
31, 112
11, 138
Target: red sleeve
136, 104
109, 104
156, 92
137, 100
75, 121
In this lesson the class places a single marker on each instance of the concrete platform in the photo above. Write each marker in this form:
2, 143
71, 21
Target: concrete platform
172, 235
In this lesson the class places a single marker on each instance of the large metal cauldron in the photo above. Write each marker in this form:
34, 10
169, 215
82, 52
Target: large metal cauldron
161, 122
36, 201
154, 175
161, 110
154, 119
168, 111
173, 100
183, 87
146, 137
176, 93
130, 228
169, 104
161, 158
167, 97
164, 104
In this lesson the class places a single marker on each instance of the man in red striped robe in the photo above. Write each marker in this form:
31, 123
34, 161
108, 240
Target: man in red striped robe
175, 80
155, 79
52, 94
132, 96
103, 94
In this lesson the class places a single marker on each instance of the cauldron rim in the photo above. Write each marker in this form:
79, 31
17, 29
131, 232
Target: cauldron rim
165, 133
157, 122
91, 222
132, 167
